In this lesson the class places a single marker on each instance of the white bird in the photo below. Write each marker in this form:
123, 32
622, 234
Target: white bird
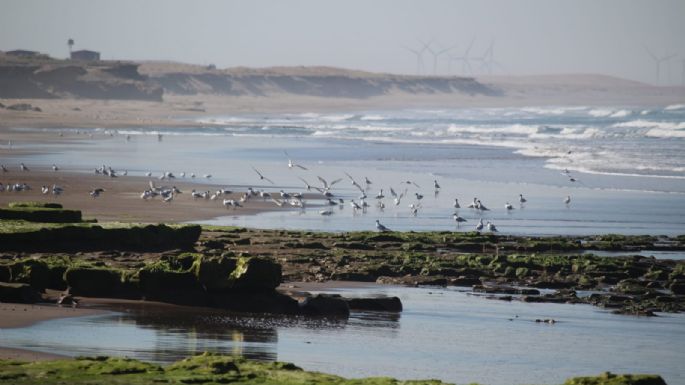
456, 203
326, 212
44, 189
262, 177
418, 196
508, 206
182, 174
196, 195
458, 219
285, 195
292, 164
148, 174
169, 198
54, 167
380, 195
473, 204
479, 226
192, 175
4, 169
436, 185
208, 176
492, 227
380, 227
354, 205
23, 167
306, 185
567, 200
480, 206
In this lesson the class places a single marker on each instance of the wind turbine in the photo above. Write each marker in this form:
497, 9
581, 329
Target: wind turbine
658, 61
464, 59
487, 60
70, 43
436, 54
419, 55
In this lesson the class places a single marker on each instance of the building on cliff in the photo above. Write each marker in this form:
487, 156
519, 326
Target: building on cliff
85, 55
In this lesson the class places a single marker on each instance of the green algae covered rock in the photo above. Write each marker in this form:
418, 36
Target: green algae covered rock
91, 282
253, 273
205, 368
617, 379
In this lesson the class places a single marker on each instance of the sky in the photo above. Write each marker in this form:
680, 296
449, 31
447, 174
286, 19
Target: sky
528, 37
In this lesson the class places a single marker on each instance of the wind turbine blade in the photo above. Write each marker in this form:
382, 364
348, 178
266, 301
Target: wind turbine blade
651, 54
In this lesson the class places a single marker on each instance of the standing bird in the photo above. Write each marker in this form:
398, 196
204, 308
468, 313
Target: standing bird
23, 167
491, 227
96, 192
436, 185
380, 227
458, 219
456, 203
567, 200
508, 206
4, 169
54, 167
522, 200
479, 226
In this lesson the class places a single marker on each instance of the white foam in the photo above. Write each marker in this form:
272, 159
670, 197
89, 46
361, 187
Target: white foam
662, 133
600, 113
640, 123
373, 117
620, 114
674, 107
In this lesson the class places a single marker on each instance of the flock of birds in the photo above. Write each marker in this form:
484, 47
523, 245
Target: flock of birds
283, 198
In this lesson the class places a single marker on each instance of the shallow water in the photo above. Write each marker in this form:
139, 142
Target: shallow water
442, 333
630, 173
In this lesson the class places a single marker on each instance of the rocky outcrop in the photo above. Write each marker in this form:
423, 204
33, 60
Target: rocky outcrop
18, 293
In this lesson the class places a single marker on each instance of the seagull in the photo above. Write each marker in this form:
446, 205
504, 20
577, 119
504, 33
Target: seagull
326, 212
4, 169
284, 195
436, 185
367, 181
182, 174
412, 182
481, 206
522, 200
399, 198
262, 177
54, 167
148, 174
96, 192
508, 206
44, 189
418, 196
291, 164
306, 185
380, 227
354, 182
380, 195
56, 190
327, 186
169, 198
492, 227
23, 167
479, 226
456, 203
567, 200
265, 195
473, 204
458, 219
414, 208
354, 205
208, 176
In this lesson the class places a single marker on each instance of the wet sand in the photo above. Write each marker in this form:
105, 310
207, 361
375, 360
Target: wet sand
121, 200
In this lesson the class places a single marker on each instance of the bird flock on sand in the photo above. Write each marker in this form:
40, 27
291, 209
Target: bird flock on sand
322, 192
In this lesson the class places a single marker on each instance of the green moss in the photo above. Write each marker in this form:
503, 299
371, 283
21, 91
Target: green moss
617, 379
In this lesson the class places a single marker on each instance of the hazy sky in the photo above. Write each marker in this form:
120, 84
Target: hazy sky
530, 36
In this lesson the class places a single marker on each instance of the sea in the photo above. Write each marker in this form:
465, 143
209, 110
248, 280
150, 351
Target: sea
622, 167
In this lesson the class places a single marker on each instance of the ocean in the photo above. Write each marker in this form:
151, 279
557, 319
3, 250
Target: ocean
622, 167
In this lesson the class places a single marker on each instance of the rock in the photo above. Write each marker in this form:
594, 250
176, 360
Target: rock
172, 286
254, 302
20, 107
617, 379
5, 273
34, 272
256, 273
214, 273
630, 286
324, 305
390, 304
18, 293
93, 282
678, 287
465, 281
353, 276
